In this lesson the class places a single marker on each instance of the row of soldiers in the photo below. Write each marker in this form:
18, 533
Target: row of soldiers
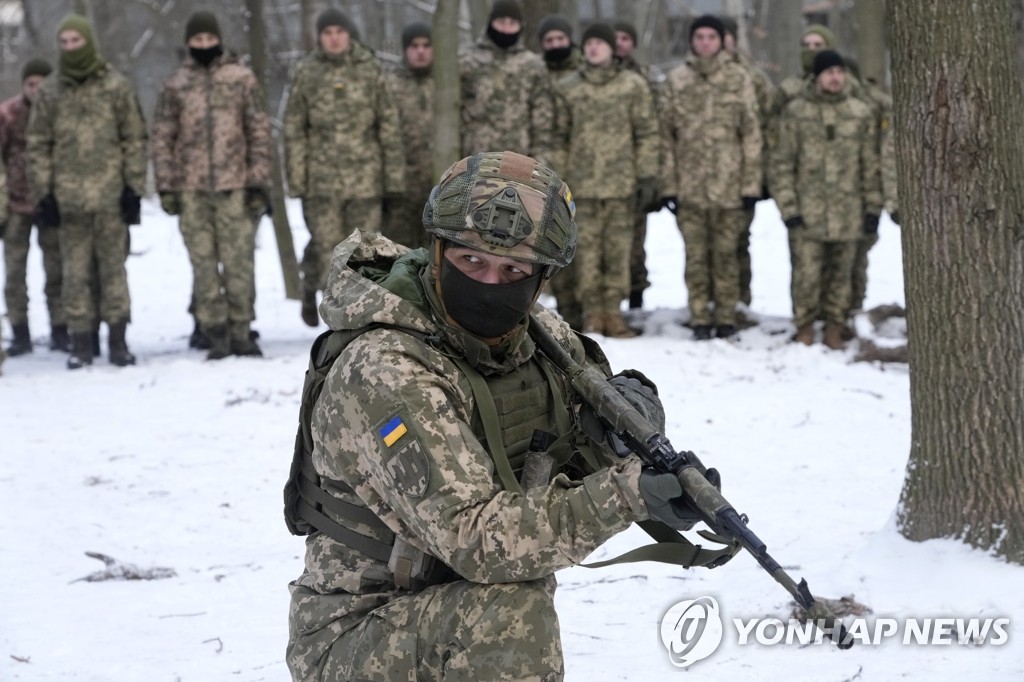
358, 155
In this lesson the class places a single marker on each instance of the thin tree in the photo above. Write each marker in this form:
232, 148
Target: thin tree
959, 144
871, 48
447, 86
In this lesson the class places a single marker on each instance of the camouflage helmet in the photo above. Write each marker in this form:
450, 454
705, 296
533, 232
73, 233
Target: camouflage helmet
506, 204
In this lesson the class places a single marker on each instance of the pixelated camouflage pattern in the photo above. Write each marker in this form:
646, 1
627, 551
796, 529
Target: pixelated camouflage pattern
603, 258
414, 95
436, 487
833, 182
210, 130
820, 286
608, 127
16, 250
764, 89
506, 101
341, 128
330, 220
14, 114
93, 248
557, 70
86, 142
709, 120
712, 270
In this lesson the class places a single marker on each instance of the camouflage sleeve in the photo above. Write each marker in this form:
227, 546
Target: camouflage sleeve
396, 414
669, 179
39, 140
132, 132
542, 118
389, 134
164, 133
871, 179
296, 144
257, 135
752, 142
646, 137
782, 166
561, 131
890, 194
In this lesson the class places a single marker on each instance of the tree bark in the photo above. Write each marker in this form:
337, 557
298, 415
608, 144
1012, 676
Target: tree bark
871, 44
785, 23
447, 86
959, 144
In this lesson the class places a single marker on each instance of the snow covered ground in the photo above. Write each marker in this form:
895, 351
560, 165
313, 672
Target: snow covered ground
178, 463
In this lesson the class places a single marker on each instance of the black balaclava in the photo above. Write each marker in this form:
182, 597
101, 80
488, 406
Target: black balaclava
486, 310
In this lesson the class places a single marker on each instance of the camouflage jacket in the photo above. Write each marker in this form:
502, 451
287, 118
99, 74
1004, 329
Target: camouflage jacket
435, 484
654, 76
210, 130
341, 128
414, 95
712, 137
608, 129
825, 165
506, 101
13, 122
559, 70
87, 142
764, 90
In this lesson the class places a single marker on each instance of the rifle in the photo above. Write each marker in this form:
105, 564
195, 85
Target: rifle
655, 450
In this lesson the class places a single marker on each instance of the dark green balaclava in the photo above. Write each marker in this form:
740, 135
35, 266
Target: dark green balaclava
807, 56
85, 61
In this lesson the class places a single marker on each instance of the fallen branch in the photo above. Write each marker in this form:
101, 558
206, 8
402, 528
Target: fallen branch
116, 570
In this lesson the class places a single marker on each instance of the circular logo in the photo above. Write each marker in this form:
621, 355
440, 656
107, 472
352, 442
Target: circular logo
691, 631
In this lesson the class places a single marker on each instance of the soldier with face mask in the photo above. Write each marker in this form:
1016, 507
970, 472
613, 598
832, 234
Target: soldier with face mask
456, 514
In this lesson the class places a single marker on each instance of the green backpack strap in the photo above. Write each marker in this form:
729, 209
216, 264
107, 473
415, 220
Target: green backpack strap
673, 548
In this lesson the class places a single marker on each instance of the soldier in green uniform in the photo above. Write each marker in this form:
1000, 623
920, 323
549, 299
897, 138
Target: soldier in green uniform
343, 146
211, 157
824, 175
608, 125
87, 168
398, 435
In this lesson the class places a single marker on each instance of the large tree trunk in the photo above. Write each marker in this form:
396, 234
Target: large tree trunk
447, 86
870, 18
959, 144
785, 23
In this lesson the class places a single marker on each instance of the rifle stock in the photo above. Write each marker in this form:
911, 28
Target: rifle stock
655, 450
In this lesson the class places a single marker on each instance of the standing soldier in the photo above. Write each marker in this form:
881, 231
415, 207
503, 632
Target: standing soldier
343, 146
87, 167
813, 40
611, 134
712, 171
413, 86
506, 97
14, 115
211, 156
825, 178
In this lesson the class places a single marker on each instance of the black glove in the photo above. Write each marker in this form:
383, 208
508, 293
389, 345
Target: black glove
641, 393
895, 216
671, 203
870, 223
48, 212
794, 223
665, 501
170, 202
646, 198
749, 202
131, 206
3, 229
257, 202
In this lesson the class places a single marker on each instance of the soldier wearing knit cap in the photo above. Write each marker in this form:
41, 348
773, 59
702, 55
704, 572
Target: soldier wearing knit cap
90, 185
813, 40
14, 115
560, 55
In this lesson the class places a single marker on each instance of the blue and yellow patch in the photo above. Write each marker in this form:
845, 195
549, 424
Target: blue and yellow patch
392, 431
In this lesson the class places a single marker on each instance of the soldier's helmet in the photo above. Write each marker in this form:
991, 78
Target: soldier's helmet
506, 204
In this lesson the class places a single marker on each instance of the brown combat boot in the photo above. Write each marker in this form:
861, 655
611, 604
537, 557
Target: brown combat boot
615, 327
593, 323
834, 335
805, 334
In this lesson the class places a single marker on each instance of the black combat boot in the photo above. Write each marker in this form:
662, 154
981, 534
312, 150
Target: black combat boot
94, 341
309, 314
59, 339
220, 344
198, 339
119, 353
702, 332
81, 350
636, 300
22, 341
725, 331
242, 342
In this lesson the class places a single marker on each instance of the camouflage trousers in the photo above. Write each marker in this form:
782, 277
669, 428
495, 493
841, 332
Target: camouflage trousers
860, 271
93, 249
638, 281
330, 220
220, 236
16, 249
821, 279
605, 238
457, 632
402, 221
743, 258
564, 287
710, 237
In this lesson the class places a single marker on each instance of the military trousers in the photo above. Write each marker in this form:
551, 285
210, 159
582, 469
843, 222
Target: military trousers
16, 250
821, 278
603, 250
330, 220
860, 271
93, 249
220, 236
638, 281
402, 220
710, 237
456, 632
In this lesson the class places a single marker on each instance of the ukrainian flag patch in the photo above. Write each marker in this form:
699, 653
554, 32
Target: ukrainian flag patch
392, 431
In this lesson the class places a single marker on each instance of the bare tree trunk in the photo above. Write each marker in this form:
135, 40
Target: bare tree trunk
479, 13
959, 146
871, 44
282, 230
1018, 32
307, 15
447, 86
533, 12
785, 23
